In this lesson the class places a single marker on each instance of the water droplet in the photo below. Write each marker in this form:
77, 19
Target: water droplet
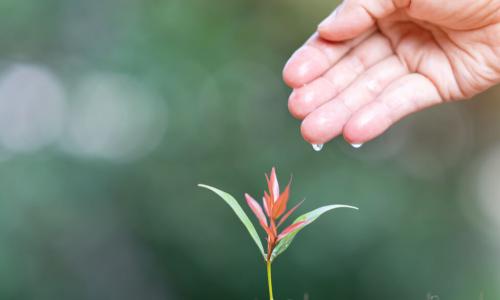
317, 147
357, 145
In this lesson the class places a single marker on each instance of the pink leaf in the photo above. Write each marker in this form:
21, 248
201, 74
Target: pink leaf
257, 210
290, 229
275, 184
279, 206
290, 212
264, 203
269, 203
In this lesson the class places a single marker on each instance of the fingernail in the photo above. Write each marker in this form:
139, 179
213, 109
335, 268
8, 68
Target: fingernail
357, 145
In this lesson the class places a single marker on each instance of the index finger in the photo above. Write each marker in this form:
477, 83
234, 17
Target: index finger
316, 57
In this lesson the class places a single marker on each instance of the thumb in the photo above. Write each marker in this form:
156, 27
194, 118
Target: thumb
354, 17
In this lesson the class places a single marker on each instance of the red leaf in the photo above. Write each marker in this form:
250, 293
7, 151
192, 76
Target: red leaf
280, 205
291, 229
264, 203
269, 203
290, 212
272, 185
257, 210
274, 189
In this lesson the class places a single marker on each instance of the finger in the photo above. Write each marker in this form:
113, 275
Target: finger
404, 96
328, 120
353, 17
305, 99
315, 57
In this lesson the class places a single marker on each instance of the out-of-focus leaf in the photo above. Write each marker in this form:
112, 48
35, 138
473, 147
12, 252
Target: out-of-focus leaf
291, 229
291, 211
280, 204
240, 213
257, 210
308, 218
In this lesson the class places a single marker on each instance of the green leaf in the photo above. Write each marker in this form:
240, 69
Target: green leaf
240, 213
308, 218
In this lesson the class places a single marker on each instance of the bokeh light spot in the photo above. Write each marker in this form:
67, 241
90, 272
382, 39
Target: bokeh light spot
32, 107
114, 117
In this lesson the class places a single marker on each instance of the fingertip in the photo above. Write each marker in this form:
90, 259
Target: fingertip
351, 135
328, 33
315, 133
306, 99
328, 25
305, 65
341, 31
345, 23
324, 29
288, 75
324, 124
367, 124
295, 106
308, 132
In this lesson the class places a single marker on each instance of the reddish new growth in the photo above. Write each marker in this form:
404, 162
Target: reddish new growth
274, 205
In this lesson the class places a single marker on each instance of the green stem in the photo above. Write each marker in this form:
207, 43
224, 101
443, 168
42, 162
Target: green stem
270, 280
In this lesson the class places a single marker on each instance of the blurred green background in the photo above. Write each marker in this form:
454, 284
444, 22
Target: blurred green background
112, 111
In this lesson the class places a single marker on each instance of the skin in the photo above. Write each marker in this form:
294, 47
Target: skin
373, 62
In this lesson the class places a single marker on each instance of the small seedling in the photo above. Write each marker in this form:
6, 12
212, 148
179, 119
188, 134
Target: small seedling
271, 215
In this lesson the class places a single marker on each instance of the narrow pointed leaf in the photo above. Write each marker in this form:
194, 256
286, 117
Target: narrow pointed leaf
308, 218
280, 205
264, 204
240, 213
291, 211
273, 185
269, 204
291, 229
257, 210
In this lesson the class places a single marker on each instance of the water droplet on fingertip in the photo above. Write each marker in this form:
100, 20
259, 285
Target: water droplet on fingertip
317, 147
357, 145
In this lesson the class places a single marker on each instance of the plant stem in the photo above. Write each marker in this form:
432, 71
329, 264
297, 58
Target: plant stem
270, 280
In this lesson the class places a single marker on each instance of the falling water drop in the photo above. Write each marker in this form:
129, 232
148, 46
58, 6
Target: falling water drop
317, 147
357, 145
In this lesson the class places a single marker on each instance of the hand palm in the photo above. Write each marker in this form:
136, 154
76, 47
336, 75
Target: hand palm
458, 62
375, 74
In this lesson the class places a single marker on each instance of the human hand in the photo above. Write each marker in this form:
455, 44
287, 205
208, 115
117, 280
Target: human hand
373, 62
